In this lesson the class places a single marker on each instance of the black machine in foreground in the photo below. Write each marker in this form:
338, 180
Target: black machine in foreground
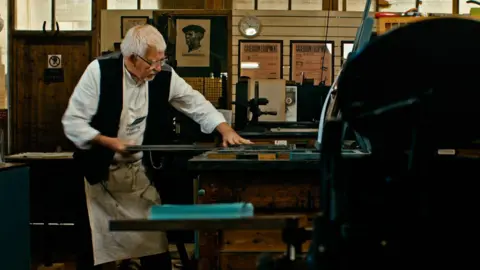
412, 204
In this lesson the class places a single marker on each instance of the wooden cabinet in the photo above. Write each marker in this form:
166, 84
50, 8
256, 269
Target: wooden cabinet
15, 226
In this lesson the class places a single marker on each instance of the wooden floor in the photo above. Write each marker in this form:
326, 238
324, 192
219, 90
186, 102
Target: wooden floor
71, 265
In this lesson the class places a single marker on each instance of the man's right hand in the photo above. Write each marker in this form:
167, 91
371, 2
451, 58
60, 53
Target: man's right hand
113, 144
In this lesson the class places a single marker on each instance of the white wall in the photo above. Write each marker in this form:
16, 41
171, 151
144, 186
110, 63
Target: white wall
110, 31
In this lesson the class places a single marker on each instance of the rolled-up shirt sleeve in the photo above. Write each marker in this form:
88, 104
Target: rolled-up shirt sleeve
193, 104
82, 106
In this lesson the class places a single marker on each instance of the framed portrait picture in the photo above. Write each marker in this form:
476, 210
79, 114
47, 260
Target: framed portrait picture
193, 42
312, 59
128, 22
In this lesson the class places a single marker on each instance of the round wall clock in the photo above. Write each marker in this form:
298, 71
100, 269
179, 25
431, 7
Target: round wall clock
249, 26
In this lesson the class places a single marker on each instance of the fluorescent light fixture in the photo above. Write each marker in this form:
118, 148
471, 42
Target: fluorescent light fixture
250, 65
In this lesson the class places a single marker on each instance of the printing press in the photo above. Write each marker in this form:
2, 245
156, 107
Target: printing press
400, 199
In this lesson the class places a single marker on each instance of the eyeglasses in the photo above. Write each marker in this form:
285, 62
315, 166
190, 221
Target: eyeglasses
153, 63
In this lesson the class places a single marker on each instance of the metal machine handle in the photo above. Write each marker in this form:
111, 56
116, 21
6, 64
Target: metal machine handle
44, 28
57, 31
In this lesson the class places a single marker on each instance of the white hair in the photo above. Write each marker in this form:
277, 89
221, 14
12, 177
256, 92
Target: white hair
141, 37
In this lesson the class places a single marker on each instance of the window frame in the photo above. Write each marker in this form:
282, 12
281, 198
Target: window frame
53, 23
335, 5
139, 5
455, 5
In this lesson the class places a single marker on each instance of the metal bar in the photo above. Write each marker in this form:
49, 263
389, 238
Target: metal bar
170, 148
207, 147
254, 223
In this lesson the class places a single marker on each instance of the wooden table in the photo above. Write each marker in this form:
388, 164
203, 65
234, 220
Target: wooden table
290, 224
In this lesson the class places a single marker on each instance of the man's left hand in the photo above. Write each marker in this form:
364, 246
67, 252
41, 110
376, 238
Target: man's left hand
230, 137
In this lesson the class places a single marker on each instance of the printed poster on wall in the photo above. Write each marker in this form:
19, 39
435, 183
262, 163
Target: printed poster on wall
261, 59
312, 60
193, 43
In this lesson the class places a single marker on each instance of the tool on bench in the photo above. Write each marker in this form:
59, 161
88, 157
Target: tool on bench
253, 106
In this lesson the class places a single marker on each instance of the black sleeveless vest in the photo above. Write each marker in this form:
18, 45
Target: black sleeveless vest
95, 162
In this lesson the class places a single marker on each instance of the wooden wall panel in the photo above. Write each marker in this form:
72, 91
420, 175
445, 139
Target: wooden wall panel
297, 25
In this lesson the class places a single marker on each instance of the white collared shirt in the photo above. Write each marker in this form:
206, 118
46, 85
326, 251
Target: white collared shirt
83, 105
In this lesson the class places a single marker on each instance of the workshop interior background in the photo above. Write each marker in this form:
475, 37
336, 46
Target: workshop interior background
96, 28
89, 28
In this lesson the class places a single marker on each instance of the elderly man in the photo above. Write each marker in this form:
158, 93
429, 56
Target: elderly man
122, 99
193, 37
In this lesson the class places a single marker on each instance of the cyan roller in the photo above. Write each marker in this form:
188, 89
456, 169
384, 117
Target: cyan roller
199, 211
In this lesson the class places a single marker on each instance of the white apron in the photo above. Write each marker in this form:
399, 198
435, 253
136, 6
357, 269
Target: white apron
128, 193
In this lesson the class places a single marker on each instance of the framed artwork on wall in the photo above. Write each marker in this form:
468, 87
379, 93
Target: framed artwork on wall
197, 44
260, 59
312, 59
193, 42
128, 22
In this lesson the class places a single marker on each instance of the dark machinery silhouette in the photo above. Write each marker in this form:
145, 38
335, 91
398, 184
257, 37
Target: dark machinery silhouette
409, 203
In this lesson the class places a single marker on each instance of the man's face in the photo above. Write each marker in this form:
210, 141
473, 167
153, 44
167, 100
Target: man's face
192, 38
149, 65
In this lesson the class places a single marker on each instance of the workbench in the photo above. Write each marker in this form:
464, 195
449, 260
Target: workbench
272, 180
273, 186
